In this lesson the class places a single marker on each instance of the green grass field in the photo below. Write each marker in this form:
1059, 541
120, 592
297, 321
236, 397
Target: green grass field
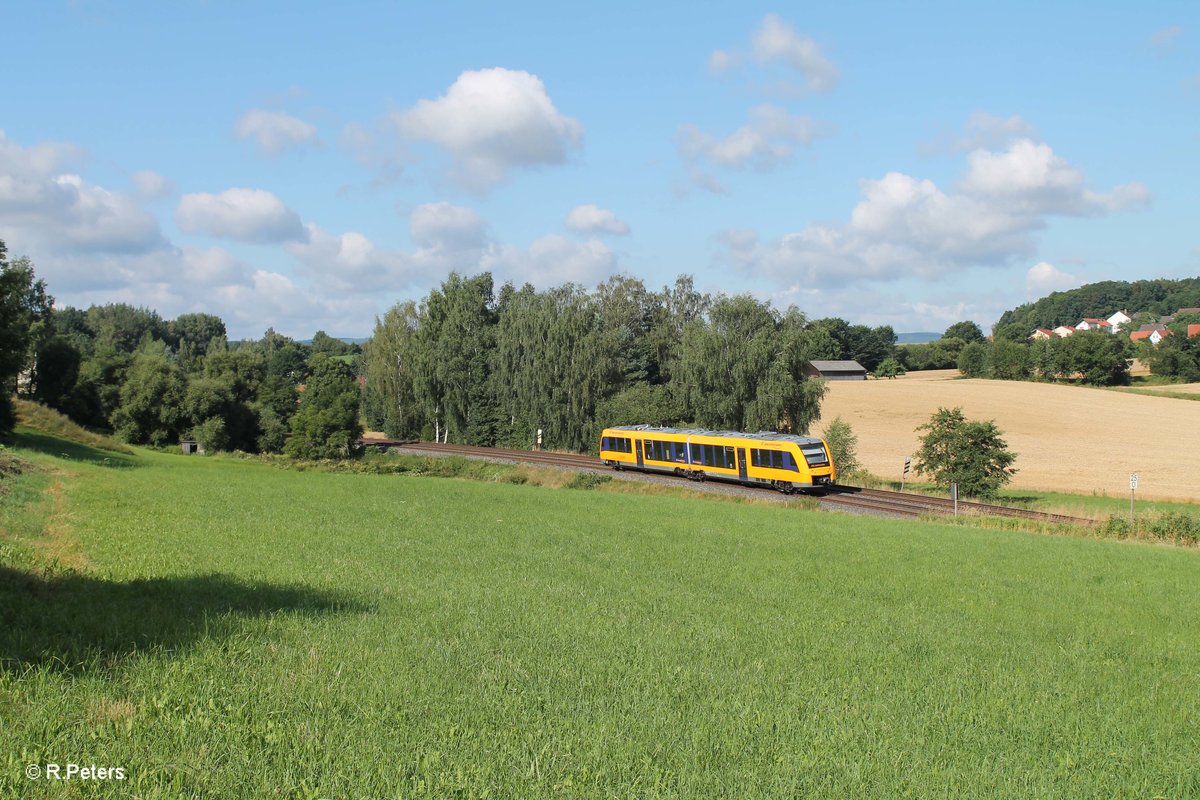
224, 628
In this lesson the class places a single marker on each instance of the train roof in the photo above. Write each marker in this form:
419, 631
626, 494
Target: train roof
767, 436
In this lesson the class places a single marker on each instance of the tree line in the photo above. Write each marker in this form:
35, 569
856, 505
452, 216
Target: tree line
467, 363
475, 365
153, 381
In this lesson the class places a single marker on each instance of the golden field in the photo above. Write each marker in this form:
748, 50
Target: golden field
1067, 438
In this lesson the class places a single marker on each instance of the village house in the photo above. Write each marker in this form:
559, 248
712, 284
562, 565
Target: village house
1119, 320
1093, 324
1063, 331
1042, 333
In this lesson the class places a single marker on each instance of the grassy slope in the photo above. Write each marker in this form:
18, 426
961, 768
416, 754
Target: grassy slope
237, 630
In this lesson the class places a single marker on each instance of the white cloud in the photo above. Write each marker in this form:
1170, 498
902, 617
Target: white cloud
447, 227
492, 121
248, 215
906, 227
274, 131
152, 186
590, 218
767, 141
551, 261
1029, 177
1044, 278
42, 207
983, 130
351, 262
776, 40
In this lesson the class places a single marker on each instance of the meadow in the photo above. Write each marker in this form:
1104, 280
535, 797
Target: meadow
223, 628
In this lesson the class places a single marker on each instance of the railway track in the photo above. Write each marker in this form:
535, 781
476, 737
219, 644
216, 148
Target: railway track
846, 498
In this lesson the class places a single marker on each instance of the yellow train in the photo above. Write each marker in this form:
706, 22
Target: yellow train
781, 460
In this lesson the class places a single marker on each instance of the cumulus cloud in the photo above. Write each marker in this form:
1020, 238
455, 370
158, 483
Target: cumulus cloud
552, 260
906, 227
1044, 278
776, 42
983, 130
446, 227
765, 141
274, 131
152, 186
44, 208
490, 122
590, 218
351, 262
1029, 177
247, 215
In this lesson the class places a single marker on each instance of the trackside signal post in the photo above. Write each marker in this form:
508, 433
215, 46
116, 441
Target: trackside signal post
1132, 488
907, 467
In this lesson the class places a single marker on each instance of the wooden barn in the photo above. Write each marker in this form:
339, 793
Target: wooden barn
837, 370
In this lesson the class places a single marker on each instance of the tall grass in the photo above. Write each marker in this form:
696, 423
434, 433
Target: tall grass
235, 630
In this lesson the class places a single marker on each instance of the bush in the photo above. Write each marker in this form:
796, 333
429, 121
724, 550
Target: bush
588, 480
843, 447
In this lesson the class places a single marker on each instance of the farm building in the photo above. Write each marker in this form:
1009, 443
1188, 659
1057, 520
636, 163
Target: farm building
837, 370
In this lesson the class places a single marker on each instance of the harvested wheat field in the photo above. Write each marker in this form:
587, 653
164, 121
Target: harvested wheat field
1067, 438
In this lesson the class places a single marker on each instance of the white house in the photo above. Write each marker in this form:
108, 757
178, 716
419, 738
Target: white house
1093, 324
1119, 320
1041, 333
1063, 331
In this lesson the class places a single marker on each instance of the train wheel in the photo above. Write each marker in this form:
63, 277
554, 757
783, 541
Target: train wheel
700, 475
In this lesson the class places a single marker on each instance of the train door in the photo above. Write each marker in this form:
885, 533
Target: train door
741, 457
637, 445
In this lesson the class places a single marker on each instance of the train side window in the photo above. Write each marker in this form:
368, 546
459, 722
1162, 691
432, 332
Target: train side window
753, 457
627, 448
697, 454
729, 462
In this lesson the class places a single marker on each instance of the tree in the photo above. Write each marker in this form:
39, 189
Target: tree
843, 447
151, 410
971, 454
1099, 358
1008, 360
23, 304
889, 368
327, 423
972, 361
966, 330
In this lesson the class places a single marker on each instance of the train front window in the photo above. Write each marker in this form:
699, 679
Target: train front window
815, 455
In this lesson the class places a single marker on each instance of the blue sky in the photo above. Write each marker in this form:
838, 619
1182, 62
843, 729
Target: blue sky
305, 166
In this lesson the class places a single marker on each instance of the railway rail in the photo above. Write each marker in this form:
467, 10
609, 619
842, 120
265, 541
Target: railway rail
845, 498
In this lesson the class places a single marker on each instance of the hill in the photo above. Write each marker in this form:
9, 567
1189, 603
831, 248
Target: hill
1067, 438
1100, 300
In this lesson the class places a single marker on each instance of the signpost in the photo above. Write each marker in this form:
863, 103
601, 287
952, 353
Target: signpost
954, 494
1132, 489
907, 467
